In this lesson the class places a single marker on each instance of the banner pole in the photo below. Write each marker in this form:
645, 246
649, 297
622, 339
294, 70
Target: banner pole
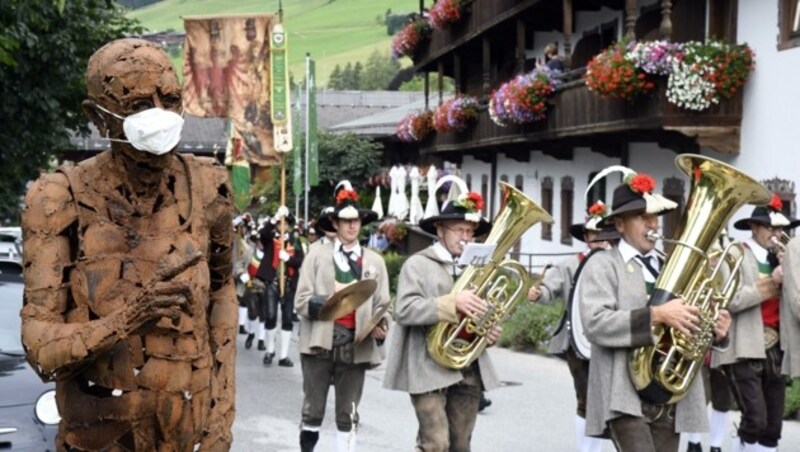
308, 143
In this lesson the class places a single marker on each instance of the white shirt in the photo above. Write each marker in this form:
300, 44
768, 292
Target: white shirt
629, 254
759, 252
443, 254
340, 259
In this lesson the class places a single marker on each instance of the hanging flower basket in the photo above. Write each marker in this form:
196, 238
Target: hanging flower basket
446, 12
612, 73
523, 99
415, 127
456, 114
408, 40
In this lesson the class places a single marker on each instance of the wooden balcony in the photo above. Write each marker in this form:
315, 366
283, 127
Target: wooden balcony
579, 117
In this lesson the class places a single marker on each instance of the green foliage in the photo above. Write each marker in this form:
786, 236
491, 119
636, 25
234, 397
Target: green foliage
531, 326
791, 407
44, 48
394, 262
345, 156
375, 75
418, 84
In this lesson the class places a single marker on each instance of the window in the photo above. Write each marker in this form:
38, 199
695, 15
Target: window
547, 205
785, 190
567, 192
789, 23
674, 189
597, 192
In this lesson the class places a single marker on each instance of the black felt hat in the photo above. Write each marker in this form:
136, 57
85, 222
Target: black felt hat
769, 215
346, 208
466, 208
594, 220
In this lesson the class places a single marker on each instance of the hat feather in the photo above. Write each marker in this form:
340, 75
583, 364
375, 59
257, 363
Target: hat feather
611, 169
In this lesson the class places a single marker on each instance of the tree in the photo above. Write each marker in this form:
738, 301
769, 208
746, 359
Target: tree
348, 81
46, 44
335, 79
358, 70
345, 156
379, 71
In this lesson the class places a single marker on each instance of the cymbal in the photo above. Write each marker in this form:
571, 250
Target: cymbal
377, 316
347, 299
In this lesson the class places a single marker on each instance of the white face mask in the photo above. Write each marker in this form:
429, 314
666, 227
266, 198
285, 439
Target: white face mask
154, 130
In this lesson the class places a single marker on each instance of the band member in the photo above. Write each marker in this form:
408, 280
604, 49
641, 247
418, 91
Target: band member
790, 309
328, 352
254, 290
557, 284
614, 291
243, 249
278, 262
753, 361
445, 400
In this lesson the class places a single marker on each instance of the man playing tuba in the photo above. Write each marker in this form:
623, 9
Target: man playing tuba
753, 361
614, 291
445, 400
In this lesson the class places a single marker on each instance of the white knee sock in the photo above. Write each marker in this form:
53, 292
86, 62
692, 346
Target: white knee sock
761, 448
271, 336
262, 331
252, 326
286, 338
580, 431
719, 424
593, 444
242, 316
693, 437
345, 441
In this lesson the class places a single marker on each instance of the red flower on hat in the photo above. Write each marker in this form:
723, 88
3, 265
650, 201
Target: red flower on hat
344, 195
775, 203
472, 201
597, 209
642, 183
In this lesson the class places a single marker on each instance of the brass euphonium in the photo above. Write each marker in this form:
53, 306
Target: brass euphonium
503, 283
663, 373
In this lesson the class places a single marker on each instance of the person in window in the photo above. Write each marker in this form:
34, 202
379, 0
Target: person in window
616, 285
551, 58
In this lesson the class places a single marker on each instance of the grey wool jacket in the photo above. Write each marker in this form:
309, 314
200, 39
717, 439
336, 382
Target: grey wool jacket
616, 319
558, 284
746, 333
317, 277
423, 300
790, 310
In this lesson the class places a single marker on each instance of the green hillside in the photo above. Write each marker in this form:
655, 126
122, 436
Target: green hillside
334, 31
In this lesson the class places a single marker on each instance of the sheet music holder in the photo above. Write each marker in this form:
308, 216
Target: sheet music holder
477, 254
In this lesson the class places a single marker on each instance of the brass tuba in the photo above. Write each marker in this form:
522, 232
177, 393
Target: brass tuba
503, 283
663, 373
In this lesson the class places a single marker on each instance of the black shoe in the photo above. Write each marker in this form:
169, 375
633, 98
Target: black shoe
242, 330
308, 440
715, 449
694, 447
261, 345
249, 341
286, 362
484, 403
268, 358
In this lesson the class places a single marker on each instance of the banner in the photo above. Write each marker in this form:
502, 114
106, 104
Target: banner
226, 74
313, 151
240, 173
279, 77
297, 151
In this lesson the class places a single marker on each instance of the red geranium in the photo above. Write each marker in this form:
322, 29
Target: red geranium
775, 203
597, 208
610, 73
344, 195
642, 183
472, 201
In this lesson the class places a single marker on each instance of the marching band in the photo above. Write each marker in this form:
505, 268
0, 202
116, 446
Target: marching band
638, 325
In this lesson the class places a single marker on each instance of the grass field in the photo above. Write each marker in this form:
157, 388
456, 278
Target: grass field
333, 31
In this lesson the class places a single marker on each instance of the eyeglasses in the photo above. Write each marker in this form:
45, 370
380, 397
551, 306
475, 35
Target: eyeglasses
461, 231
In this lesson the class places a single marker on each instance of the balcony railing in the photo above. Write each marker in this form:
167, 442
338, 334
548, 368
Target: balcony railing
576, 112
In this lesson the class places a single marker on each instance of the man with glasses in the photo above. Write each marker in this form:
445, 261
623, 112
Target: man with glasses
753, 361
445, 400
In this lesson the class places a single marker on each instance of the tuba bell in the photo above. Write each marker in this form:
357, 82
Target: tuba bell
663, 373
503, 283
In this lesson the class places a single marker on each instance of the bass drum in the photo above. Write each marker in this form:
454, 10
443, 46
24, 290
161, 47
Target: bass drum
580, 343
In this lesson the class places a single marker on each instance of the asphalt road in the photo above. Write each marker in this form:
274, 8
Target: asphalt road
532, 411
